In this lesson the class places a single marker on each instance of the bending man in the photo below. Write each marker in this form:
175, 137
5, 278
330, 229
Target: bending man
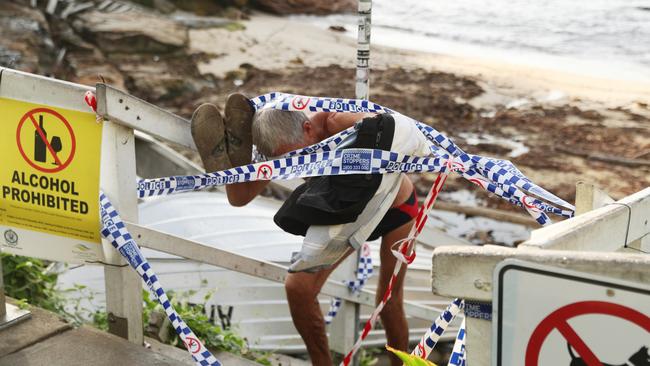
335, 214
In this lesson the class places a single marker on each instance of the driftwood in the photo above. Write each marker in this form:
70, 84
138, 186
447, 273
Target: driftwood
487, 212
603, 157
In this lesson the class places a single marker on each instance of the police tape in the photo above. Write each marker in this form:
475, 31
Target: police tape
363, 272
458, 353
500, 172
433, 334
405, 254
497, 176
114, 230
338, 162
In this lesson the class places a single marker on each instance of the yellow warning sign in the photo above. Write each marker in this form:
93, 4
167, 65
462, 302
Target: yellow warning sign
49, 176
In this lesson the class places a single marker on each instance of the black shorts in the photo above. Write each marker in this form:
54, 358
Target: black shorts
396, 217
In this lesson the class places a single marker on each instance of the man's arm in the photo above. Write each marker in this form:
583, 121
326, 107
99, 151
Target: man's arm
337, 122
240, 194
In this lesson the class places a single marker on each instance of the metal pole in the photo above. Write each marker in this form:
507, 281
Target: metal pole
9, 314
363, 50
3, 306
362, 91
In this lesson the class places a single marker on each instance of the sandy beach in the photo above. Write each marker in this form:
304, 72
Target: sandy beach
558, 118
271, 42
557, 126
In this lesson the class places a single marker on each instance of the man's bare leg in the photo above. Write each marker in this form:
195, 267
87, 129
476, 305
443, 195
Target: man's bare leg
392, 316
302, 290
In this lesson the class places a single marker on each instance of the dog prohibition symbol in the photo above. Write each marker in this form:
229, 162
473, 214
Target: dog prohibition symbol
639, 358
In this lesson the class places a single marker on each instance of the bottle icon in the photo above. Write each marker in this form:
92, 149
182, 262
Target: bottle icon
40, 153
40, 144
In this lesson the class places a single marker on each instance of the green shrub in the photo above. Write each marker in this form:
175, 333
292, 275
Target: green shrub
30, 282
212, 336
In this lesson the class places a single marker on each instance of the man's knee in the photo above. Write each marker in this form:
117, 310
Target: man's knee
300, 286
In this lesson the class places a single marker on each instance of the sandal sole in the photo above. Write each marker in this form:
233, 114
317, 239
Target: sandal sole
209, 134
238, 121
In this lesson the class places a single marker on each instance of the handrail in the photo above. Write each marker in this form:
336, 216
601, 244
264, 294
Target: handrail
124, 109
127, 110
607, 228
171, 244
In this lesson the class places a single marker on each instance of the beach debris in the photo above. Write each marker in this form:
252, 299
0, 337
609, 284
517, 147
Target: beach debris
337, 28
317, 7
607, 158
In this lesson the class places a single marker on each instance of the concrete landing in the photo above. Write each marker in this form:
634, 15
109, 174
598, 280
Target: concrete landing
47, 340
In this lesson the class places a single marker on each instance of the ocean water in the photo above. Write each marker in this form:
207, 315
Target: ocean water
603, 37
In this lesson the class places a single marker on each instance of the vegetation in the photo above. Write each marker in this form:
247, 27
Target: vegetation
32, 282
212, 336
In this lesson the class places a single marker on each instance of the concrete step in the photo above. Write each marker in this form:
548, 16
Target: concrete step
45, 339
42, 325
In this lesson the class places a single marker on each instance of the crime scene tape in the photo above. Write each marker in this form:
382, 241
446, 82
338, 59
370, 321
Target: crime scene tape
500, 177
364, 272
458, 354
405, 254
115, 231
431, 337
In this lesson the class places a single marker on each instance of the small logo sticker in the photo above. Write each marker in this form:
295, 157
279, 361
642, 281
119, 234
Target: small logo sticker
192, 345
299, 102
264, 171
11, 238
356, 160
131, 253
184, 183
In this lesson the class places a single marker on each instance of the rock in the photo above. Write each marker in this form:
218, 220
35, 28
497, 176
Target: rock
199, 7
25, 43
319, 7
337, 28
84, 62
159, 78
133, 31
192, 21
164, 6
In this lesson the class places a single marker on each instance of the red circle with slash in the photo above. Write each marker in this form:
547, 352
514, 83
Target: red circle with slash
56, 116
299, 102
558, 320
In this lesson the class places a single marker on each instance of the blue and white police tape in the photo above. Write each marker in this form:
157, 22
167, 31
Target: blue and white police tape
338, 162
293, 102
458, 356
431, 337
115, 231
498, 171
363, 273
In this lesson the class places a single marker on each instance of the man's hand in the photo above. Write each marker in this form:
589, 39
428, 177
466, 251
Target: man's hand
240, 194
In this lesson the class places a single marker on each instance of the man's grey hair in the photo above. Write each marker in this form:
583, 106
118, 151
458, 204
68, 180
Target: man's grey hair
273, 128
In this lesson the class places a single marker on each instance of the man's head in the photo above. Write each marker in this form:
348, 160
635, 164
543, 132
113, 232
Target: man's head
276, 132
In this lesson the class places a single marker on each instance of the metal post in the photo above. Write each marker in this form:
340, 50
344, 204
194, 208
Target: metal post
363, 50
345, 326
123, 285
9, 314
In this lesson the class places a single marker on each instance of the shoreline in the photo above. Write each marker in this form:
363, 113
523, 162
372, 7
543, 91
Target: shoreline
271, 42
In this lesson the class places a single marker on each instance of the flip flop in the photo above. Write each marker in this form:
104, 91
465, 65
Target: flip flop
209, 134
238, 121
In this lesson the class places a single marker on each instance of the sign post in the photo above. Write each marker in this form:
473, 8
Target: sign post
549, 316
49, 182
9, 314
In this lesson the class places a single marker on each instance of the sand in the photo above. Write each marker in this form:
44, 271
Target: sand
553, 115
271, 42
